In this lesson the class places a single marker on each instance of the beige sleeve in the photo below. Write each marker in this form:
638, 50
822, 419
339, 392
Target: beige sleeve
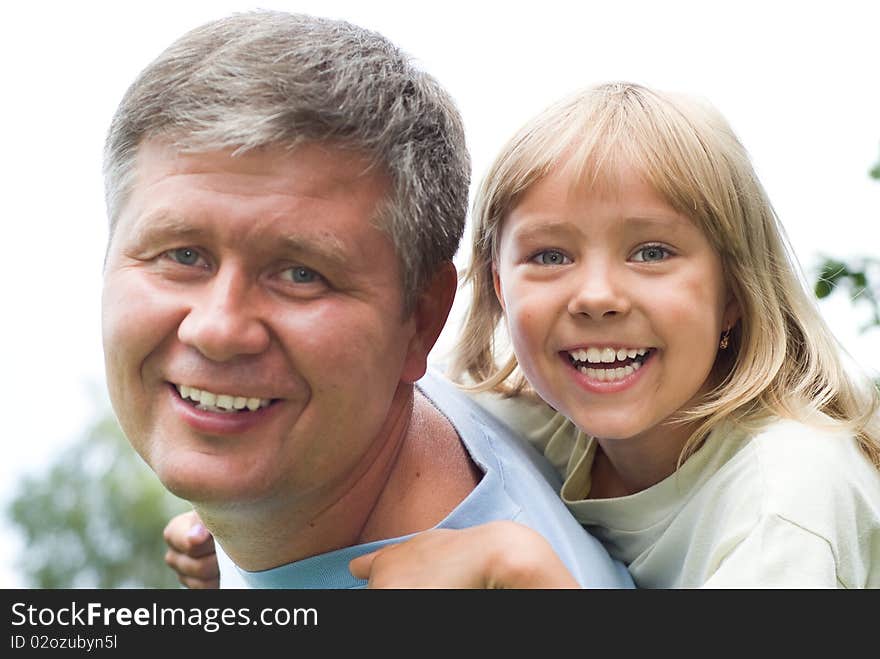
777, 554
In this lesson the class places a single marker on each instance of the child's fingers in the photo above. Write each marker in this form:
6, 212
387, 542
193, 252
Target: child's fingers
186, 534
202, 569
361, 566
199, 584
201, 542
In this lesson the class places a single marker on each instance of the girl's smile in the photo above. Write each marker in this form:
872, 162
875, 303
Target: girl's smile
607, 370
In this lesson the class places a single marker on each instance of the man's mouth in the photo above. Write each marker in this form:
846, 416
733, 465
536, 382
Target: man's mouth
209, 401
608, 364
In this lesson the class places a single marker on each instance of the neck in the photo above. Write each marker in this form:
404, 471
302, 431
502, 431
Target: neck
415, 475
626, 466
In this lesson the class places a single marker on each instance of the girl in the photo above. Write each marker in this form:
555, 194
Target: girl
716, 437
709, 431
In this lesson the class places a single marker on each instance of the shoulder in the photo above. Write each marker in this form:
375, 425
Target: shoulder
526, 417
549, 431
808, 473
817, 481
798, 498
817, 457
816, 475
486, 436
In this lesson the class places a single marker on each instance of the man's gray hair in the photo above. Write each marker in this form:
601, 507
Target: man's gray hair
272, 78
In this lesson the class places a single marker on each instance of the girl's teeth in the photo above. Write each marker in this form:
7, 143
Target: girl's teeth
606, 355
610, 374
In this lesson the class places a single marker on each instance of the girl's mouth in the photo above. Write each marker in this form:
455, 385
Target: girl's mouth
608, 364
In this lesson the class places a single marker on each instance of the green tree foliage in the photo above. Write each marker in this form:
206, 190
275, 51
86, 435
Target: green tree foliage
94, 519
859, 276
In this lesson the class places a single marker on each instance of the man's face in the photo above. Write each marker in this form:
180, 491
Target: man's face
259, 285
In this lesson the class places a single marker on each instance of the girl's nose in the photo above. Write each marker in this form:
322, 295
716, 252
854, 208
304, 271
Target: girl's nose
599, 292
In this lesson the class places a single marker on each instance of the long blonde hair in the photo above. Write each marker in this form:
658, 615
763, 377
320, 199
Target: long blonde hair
782, 360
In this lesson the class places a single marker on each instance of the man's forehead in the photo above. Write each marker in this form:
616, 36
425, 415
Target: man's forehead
306, 171
316, 164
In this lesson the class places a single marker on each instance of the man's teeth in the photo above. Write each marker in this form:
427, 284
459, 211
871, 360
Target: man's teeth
606, 355
212, 402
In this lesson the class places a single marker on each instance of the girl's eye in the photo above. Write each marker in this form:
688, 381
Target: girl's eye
301, 275
650, 253
550, 257
184, 255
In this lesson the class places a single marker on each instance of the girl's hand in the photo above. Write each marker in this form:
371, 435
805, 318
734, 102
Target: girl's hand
191, 552
499, 554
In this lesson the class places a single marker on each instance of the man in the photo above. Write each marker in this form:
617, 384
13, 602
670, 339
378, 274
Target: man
285, 195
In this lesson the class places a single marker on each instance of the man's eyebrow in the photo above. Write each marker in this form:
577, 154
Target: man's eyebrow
324, 245
165, 222
161, 223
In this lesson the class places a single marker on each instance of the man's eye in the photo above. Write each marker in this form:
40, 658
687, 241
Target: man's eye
650, 253
550, 257
301, 275
184, 255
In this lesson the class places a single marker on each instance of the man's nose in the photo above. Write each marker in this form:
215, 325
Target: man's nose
599, 291
223, 322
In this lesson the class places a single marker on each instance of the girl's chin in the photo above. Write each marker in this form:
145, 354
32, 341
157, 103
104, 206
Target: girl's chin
614, 429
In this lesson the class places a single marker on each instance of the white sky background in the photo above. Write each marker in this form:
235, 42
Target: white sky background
799, 81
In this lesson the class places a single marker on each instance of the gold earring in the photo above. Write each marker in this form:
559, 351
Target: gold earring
725, 339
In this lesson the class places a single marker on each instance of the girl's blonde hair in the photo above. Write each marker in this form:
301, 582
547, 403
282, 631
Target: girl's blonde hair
782, 359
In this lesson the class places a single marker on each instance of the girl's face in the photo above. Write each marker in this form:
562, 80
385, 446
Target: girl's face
615, 303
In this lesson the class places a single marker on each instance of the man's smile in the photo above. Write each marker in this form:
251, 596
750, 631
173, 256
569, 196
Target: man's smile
227, 403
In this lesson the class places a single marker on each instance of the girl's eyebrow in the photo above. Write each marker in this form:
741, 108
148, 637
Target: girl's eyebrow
660, 217
541, 228
674, 224
664, 220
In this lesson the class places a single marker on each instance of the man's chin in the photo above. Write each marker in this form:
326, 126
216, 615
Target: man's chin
211, 488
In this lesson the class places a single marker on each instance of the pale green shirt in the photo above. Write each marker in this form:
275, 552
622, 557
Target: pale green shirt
789, 506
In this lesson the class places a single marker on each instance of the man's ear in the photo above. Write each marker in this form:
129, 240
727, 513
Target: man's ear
496, 282
430, 313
